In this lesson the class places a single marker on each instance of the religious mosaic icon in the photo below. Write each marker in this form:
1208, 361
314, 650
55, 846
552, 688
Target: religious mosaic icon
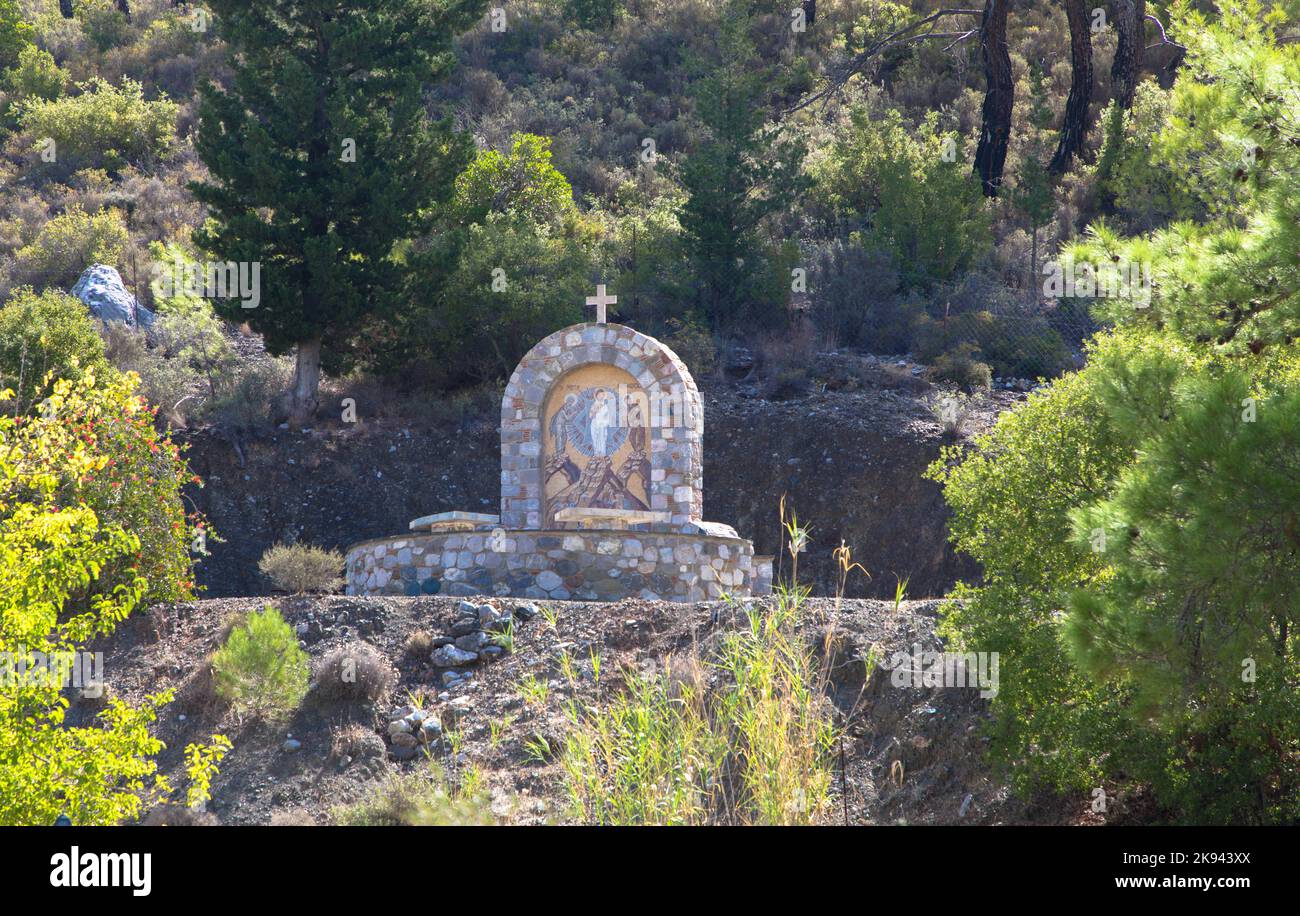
595, 442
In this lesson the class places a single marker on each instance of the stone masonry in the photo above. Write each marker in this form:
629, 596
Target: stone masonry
676, 449
594, 550
559, 565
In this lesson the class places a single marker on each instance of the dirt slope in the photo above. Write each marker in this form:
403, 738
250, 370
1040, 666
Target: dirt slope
912, 755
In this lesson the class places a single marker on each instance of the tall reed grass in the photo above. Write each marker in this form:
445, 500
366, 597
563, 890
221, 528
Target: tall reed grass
741, 735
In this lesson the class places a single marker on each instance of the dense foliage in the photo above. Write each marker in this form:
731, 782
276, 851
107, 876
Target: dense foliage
45, 336
71, 568
428, 190
1137, 520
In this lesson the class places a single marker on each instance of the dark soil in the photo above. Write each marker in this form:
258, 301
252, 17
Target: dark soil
848, 453
911, 754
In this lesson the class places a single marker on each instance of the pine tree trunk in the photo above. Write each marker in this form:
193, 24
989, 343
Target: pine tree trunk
999, 94
65, 7
306, 382
124, 7
809, 12
1130, 50
1074, 129
1033, 265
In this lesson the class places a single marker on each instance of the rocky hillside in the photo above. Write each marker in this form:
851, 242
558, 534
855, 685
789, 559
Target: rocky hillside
848, 451
911, 755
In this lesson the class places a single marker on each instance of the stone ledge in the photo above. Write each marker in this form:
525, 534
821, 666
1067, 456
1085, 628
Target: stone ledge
454, 521
558, 565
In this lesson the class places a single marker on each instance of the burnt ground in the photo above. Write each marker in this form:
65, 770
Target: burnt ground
911, 754
848, 449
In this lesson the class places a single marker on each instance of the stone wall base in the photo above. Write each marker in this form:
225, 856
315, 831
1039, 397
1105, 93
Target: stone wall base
585, 565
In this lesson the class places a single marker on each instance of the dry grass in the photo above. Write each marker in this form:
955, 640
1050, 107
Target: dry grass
299, 568
423, 797
757, 748
356, 672
418, 645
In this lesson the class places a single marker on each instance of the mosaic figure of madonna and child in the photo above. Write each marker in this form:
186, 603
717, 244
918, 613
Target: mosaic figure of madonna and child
595, 443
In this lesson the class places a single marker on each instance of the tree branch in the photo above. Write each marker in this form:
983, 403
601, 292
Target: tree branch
902, 36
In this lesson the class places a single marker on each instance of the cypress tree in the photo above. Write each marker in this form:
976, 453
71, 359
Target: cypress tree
323, 157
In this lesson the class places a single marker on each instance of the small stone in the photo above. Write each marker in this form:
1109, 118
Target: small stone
400, 727
401, 712
965, 805
450, 657
466, 608
464, 627
527, 611
473, 642
491, 652
404, 739
291, 746
403, 753
457, 710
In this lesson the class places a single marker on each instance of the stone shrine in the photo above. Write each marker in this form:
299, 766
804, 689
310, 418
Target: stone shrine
602, 432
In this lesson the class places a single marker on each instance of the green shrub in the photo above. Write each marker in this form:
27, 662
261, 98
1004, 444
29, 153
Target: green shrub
513, 282
1013, 344
104, 24
103, 126
1134, 169
1147, 458
140, 488
593, 14
68, 244
41, 333
920, 205
251, 394
694, 344
962, 369
69, 573
35, 76
356, 672
421, 798
261, 671
166, 384
1011, 497
522, 182
16, 35
855, 299
299, 568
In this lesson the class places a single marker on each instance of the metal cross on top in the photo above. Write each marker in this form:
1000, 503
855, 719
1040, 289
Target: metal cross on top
600, 300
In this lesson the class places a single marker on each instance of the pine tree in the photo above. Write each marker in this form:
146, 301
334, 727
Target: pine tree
1202, 608
742, 174
323, 157
1172, 454
1032, 195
